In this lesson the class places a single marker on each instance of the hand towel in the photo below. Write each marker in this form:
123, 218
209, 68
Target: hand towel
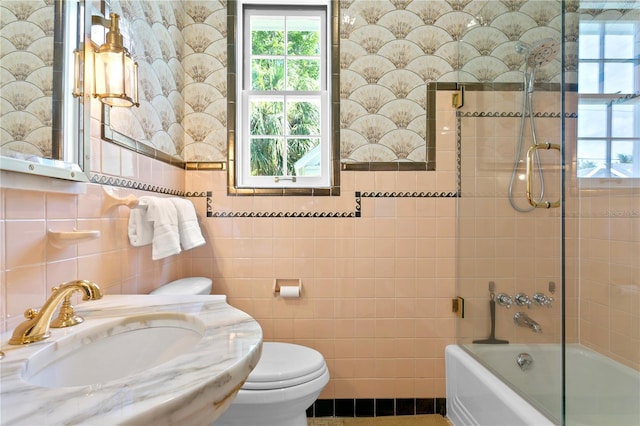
190, 233
140, 229
166, 238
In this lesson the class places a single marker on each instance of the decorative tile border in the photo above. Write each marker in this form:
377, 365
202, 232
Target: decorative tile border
356, 213
484, 114
359, 195
380, 407
284, 214
401, 194
132, 184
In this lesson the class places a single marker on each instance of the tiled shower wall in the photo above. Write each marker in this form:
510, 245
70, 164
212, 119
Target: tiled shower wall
523, 252
609, 268
519, 252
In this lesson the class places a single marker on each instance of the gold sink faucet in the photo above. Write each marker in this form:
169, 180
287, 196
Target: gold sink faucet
36, 327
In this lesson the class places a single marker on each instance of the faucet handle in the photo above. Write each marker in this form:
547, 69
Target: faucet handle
31, 313
504, 300
542, 300
522, 299
66, 317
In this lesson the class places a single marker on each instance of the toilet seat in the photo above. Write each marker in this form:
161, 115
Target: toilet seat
283, 365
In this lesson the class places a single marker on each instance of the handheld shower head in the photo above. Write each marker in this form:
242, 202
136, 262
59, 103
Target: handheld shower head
542, 52
537, 55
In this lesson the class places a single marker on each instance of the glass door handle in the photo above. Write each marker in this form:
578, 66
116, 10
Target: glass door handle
530, 154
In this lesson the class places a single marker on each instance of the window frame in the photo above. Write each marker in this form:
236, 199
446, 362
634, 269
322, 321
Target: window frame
240, 181
607, 101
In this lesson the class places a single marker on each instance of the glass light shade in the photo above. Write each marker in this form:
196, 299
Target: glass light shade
116, 78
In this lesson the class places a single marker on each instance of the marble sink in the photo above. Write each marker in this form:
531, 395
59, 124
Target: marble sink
137, 359
115, 349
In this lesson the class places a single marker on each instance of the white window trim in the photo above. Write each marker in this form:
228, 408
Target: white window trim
243, 177
604, 99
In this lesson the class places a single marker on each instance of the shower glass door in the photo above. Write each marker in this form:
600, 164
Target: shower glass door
549, 202
510, 209
602, 193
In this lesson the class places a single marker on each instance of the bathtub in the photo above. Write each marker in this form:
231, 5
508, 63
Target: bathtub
599, 391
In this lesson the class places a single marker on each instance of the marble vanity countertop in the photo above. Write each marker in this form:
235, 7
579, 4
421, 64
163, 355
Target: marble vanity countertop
205, 379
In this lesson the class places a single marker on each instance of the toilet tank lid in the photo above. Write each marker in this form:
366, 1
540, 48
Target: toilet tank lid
284, 362
191, 285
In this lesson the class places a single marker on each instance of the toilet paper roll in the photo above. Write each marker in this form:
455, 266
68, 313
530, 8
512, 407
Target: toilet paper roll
289, 291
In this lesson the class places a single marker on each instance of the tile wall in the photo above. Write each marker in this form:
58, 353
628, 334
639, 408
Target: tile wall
376, 288
520, 252
610, 271
31, 265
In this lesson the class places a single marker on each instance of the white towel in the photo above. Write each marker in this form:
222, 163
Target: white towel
166, 238
190, 233
140, 229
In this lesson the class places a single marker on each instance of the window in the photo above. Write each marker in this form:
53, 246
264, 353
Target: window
283, 111
609, 106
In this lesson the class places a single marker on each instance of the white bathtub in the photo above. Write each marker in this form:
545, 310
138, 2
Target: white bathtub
599, 391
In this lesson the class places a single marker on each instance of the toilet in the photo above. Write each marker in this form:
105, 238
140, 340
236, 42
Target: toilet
286, 381
193, 285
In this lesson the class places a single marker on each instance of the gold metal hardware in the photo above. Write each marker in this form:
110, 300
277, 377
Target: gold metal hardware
457, 98
115, 73
457, 306
530, 154
78, 74
279, 178
36, 327
66, 317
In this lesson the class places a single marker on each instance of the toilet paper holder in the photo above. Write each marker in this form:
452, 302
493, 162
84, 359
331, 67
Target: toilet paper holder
279, 283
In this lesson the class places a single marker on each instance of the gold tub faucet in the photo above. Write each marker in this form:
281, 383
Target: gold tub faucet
36, 327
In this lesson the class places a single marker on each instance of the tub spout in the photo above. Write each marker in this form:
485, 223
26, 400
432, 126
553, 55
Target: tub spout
523, 320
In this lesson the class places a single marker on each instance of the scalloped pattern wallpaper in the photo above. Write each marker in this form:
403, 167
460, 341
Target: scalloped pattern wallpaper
26, 82
390, 50
181, 48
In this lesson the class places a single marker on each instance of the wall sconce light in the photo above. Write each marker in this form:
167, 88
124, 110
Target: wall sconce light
114, 70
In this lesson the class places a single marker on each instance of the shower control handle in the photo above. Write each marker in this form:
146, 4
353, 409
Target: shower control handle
542, 300
524, 361
504, 300
522, 299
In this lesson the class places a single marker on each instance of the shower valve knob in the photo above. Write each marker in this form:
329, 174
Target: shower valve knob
542, 300
504, 300
522, 299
